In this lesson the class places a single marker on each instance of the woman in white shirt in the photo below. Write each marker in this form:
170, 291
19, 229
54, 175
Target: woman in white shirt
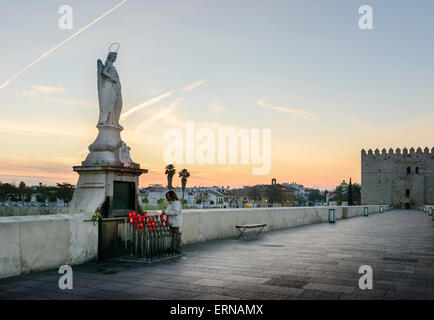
173, 212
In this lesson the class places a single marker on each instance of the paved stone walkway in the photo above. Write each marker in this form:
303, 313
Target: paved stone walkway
311, 262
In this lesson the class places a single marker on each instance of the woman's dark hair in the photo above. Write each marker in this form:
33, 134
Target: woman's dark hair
171, 196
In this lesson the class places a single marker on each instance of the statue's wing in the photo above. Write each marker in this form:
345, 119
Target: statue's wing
99, 68
100, 65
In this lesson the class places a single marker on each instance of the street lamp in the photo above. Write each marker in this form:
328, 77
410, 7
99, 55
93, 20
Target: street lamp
365, 211
332, 218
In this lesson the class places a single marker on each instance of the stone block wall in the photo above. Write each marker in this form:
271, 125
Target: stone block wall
44, 242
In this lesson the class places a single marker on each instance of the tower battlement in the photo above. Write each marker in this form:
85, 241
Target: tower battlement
397, 153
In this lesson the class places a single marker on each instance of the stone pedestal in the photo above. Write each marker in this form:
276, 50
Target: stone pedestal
108, 178
104, 150
112, 190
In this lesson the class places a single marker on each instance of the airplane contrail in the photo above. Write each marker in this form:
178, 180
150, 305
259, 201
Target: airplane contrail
145, 104
47, 53
194, 85
154, 118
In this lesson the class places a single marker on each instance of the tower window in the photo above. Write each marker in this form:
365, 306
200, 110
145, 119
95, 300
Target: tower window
408, 170
407, 193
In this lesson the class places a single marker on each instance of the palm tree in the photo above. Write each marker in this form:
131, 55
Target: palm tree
170, 172
184, 175
357, 193
340, 192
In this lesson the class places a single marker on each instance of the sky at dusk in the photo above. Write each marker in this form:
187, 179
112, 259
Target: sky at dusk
303, 69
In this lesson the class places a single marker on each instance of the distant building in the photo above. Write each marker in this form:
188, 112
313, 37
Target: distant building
402, 179
300, 195
152, 194
195, 197
262, 196
215, 198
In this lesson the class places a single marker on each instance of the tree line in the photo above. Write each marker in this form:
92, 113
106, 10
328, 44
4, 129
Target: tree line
42, 193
